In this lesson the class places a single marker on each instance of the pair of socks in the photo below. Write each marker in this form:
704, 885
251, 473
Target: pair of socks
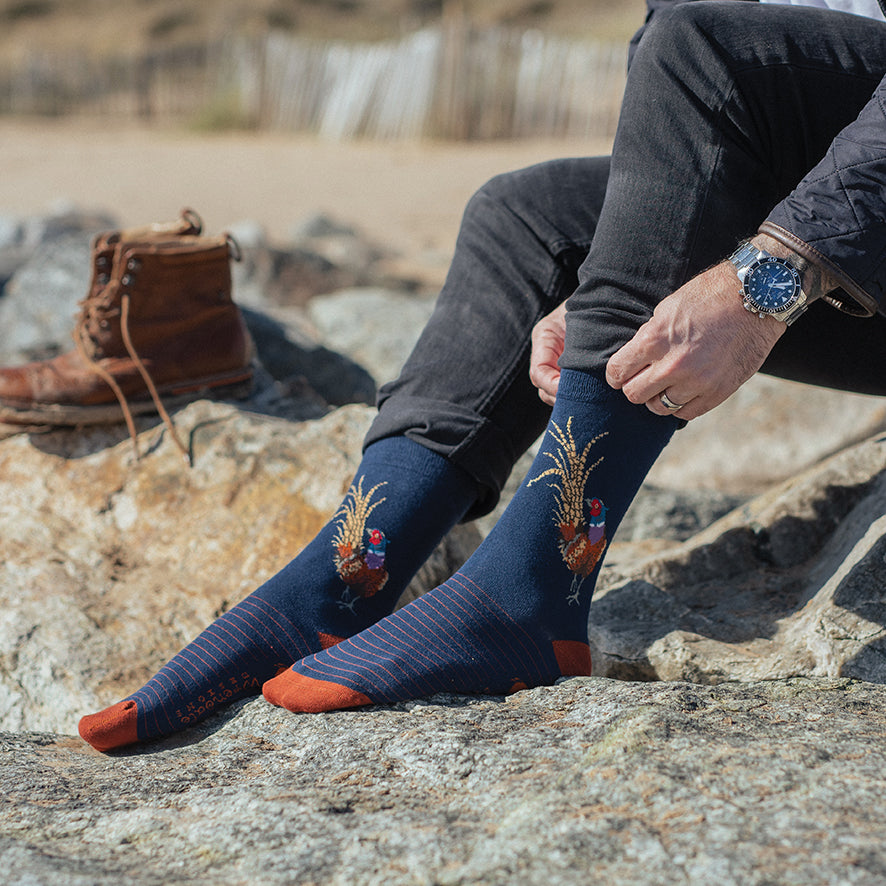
319, 636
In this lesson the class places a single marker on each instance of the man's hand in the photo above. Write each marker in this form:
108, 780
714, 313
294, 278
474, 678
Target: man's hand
699, 347
548, 336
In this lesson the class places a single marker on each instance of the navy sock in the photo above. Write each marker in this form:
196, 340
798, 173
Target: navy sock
403, 500
516, 614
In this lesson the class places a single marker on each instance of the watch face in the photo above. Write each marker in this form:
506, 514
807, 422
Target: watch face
772, 285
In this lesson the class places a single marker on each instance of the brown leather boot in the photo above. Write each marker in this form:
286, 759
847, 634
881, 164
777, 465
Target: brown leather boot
158, 324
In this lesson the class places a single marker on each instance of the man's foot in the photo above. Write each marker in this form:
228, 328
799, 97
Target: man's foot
456, 638
403, 501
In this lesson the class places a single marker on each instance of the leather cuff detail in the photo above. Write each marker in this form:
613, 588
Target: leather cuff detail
849, 297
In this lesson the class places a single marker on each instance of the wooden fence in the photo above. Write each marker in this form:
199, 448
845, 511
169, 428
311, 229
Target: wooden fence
453, 81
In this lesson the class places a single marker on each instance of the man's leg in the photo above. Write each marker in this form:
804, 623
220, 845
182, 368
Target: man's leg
446, 437
465, 391
692, 172
516, 614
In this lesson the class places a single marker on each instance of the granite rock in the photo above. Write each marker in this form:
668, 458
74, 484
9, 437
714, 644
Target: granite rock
322, 256
40, 300
109, 566
790, 583
22, 237
766, 432
291, 353
742, 610
593, 780
375, 327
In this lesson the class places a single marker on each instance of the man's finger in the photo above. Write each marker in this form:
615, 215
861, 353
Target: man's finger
669, 402
547, 380
642, 351
623, 366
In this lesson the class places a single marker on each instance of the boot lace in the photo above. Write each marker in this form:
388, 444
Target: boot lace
94, 310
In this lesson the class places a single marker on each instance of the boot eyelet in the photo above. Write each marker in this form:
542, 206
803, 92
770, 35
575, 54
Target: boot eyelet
102, 279
126, 280
133, 264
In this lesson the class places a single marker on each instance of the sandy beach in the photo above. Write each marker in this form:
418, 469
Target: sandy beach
408, 196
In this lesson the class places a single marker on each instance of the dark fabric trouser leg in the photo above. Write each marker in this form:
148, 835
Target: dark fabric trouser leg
727, 106
465, 392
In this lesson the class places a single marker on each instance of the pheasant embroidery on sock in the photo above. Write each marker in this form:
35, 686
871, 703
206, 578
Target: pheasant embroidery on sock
582, 536
360, 565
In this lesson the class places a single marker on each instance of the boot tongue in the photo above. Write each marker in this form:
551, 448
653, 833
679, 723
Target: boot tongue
188, 224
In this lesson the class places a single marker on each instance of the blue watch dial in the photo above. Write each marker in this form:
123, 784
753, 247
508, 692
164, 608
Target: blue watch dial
772, 285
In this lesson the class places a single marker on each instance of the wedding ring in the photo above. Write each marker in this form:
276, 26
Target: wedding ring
668, 403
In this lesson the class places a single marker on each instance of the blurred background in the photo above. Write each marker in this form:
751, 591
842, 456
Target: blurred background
380, 69
384, 115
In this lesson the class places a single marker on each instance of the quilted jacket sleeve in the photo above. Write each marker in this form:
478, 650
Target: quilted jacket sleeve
836, 216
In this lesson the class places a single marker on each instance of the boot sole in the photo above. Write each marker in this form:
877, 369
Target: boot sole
174, 397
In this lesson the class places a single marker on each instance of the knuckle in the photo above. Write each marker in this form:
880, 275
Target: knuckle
633, 395
615, 373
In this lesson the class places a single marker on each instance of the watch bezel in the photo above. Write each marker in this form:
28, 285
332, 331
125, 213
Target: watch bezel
748, 275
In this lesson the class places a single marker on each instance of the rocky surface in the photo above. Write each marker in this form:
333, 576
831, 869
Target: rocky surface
376, 328
753, 597
110, 565
791, 583
765, 433
590, 781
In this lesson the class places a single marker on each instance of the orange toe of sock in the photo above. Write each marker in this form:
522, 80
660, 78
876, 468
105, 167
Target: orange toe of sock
301, 694
111, 728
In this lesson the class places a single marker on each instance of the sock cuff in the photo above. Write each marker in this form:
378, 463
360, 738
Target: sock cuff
588, 387
404, 454
578, 385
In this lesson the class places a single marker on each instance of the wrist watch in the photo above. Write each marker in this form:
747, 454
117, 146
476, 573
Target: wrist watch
770, 286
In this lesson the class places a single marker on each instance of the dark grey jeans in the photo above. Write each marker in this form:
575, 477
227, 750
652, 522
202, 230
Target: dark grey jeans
727, 106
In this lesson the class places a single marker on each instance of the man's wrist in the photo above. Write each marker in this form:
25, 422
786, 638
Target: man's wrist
765, 328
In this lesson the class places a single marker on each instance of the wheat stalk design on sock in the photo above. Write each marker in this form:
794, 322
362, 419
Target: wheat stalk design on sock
361, 566
582, 537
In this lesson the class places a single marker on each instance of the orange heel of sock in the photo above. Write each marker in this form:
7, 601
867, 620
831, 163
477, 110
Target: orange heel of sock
573, 657
114, 727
